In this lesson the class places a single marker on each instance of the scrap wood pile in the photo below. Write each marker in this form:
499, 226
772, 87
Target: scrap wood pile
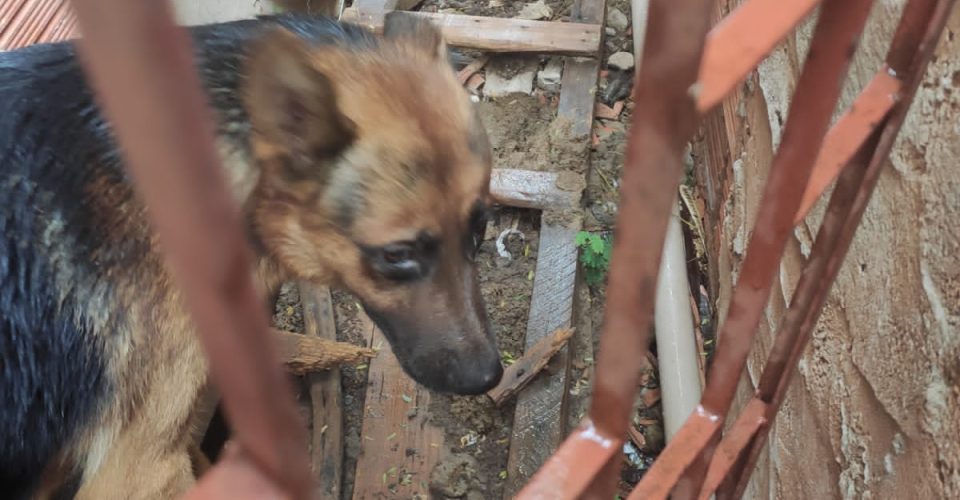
26, 22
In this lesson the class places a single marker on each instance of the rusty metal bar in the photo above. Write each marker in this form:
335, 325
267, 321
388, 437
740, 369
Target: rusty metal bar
141, 67
911, 50
818, 89
664, 120
849, 134
737, 44
750, 421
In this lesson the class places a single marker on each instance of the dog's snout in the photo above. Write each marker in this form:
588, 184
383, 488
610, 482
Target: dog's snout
475, 376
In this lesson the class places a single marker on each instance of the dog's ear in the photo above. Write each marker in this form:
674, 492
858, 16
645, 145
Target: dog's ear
292, 104
416, 34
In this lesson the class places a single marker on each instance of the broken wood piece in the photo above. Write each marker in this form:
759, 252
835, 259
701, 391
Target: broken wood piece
400, 445
326, 398
520, 373
475, 82
464, 75
606, 112
302, 354
492, 34
539, 190
637, 437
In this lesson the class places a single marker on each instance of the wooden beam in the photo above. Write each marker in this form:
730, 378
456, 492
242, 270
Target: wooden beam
400, 445
326, 399
492, 34
539, 190
302, 354
519, 374
538, 424
384, 5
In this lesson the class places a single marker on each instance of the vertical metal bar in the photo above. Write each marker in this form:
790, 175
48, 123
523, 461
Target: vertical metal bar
838, 28
911, 50
664, 120
141, 67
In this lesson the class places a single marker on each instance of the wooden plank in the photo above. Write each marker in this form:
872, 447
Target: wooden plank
302, 354
519, 374
538, 424
492, 34
326, 398
539, 190
384, 5
399, 444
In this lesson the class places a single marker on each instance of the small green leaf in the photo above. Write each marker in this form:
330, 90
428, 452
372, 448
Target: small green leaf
597, 244
581, 238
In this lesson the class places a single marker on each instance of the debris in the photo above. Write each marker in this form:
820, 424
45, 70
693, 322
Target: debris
535, 11
617, 20
633, 453
520, 373
302, 354
463, 76
501, 247
455, 476
636, 437
605, 112
549, 77
475, 82
649, 397
621, 60
510, 76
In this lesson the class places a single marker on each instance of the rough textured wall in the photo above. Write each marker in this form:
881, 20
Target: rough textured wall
875, 410
193, 12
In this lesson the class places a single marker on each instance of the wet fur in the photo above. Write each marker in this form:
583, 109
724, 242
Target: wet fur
100, 368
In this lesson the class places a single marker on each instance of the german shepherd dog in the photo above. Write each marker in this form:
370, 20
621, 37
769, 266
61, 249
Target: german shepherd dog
358, 161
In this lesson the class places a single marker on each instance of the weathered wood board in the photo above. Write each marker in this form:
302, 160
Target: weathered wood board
326, 399
399, 445
539, 421
538, 424
492, 34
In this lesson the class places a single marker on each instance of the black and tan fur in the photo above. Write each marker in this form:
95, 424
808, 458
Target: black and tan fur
359, 163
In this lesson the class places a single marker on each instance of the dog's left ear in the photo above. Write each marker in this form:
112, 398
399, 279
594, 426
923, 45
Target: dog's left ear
292, 103
418, 35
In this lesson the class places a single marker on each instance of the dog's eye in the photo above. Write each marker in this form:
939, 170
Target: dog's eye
397, 254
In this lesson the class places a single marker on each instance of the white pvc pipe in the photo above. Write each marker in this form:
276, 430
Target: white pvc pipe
676, 344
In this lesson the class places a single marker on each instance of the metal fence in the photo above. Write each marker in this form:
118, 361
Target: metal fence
687, 70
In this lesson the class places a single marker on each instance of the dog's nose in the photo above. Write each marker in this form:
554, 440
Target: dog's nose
479, 376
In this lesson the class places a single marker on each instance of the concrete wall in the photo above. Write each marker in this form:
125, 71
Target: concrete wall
193, 12
875, 410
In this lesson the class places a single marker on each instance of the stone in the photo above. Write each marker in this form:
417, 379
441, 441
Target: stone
549, 77
535, 11
610, 31
617, 20
621, 60
510, 75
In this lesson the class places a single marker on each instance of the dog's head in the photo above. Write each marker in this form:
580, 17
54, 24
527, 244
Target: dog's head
375, 178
